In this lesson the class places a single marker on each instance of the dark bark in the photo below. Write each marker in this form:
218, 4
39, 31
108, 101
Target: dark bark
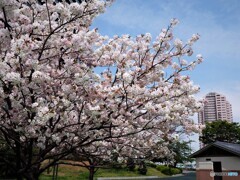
32, 175
175, 164
91, 172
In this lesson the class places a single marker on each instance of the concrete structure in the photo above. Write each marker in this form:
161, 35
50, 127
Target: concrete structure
218, 158
216, 108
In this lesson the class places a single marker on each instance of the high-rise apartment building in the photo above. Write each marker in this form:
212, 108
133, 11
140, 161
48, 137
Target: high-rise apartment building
216, 108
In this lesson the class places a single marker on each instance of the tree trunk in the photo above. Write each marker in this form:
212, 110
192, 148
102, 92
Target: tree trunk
19, 177
32, 176
175, 164
91, 172
28, 176
32, 173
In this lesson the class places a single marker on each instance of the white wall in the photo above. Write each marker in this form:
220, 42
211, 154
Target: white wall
228, 163
205, 165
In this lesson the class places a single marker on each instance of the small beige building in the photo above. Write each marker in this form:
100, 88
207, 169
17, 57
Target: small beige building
218, 161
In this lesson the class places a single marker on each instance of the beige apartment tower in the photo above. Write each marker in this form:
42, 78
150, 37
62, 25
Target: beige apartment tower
216, 108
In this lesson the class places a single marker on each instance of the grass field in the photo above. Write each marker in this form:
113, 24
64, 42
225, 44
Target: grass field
67, 172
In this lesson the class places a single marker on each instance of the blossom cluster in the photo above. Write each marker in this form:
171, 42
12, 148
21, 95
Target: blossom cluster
52, 93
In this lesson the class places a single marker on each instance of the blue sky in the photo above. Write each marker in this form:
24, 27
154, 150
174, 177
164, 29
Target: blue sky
217, 21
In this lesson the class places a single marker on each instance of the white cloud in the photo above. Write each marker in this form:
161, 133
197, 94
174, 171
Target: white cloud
129, 14
216, 40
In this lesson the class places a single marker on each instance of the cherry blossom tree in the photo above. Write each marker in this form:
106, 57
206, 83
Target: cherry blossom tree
97, 155
54, 98
114, 153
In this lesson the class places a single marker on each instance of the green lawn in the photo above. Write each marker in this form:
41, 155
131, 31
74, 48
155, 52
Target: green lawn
67, 172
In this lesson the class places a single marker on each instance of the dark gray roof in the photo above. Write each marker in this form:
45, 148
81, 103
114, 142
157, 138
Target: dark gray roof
229, 147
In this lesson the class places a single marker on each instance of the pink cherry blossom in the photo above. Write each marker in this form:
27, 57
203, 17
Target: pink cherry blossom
64, 87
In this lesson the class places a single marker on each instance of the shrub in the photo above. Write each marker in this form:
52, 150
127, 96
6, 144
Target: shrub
180, 169
151, 164
116, 165
161, 167
175, 171
168, 170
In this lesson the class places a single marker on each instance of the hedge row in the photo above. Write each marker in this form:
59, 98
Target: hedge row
168, 170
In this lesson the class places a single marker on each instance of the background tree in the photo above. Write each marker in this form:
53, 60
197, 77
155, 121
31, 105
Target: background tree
64, 86
177, 152
98, 155
220, 131
182, 150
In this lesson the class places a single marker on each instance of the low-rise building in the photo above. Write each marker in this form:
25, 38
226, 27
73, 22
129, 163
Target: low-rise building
218, 161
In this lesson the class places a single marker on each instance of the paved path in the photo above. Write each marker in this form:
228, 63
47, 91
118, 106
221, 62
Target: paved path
185, 176
129, 178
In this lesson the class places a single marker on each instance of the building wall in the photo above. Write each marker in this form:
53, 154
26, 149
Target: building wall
204, 174
216, 108
232, 177
228, 163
